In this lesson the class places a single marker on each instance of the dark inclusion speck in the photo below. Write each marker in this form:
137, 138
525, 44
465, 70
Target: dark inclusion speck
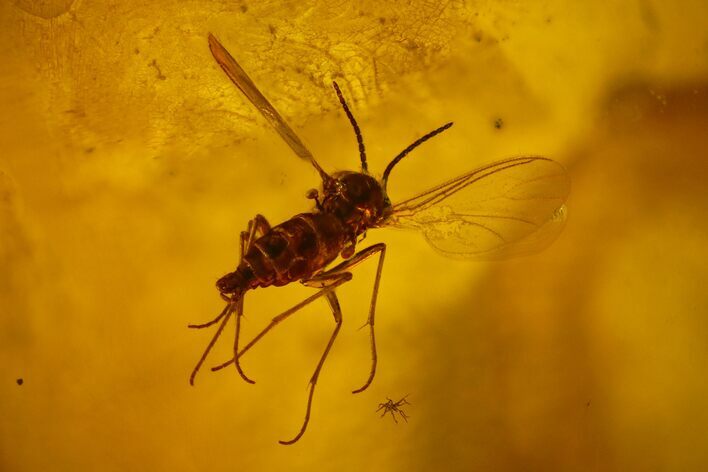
20, 381
498, 123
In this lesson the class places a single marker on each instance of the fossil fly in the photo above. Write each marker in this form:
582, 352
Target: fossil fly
505, 208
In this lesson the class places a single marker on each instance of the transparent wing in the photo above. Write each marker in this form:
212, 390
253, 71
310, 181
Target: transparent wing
239, 77
508, 208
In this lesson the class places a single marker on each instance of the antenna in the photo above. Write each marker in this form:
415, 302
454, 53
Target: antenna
357, 131
403, 153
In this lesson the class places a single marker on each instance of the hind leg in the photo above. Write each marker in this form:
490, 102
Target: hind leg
345, 267
337, 312
327, 286
256, 228
225, 315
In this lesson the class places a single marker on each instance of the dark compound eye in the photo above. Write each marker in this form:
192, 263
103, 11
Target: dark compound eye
356, 188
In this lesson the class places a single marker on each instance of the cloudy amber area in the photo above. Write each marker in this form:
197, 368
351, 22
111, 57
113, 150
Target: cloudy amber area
129, 164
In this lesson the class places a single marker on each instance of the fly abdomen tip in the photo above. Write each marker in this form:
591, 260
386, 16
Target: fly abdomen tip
232, 282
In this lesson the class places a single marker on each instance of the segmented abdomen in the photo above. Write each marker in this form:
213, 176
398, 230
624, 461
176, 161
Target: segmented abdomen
290, 251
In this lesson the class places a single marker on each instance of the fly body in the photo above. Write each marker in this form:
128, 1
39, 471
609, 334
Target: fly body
509, 207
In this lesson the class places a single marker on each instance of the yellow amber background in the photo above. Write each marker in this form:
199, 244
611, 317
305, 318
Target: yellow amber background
129, 163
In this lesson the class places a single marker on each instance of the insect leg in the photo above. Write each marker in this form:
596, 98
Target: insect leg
225, 314
333, 283
337, 312
257, 227
403, 415
209, 323
348, 264
384, 407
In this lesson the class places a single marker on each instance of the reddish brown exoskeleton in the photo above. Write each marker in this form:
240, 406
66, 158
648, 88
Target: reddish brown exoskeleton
394, 408
505, 208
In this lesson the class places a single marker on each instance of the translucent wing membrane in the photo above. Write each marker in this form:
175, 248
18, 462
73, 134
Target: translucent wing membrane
507, 208
239, 77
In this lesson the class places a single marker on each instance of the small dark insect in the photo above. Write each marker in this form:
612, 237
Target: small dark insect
20, 381
394, 407
505, 208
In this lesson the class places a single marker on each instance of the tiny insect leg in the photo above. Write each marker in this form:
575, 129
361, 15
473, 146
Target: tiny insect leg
394, 407
257, 227
356, 259
337, 312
